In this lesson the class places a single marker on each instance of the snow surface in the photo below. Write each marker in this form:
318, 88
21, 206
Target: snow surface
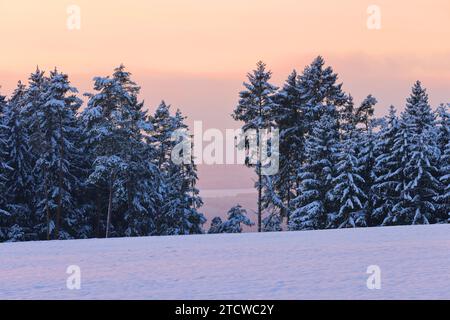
331, 264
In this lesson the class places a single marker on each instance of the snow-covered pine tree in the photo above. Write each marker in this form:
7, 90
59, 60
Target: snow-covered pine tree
421, 183
320, 92
388, 170
443, 142
255, 109
178, 200
366, 126
348, 184
272, 223
19, 180
4, 169
216, 225
114, 122
55, 167
443, 126
235, 217
444, 197
163, 126
314, 201
140, 177
289, 119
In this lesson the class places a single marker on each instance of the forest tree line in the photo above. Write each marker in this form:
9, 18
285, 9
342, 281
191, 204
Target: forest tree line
340, 166
105, 170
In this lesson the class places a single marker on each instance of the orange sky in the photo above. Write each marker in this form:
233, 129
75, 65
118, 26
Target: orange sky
209, 41
195, 53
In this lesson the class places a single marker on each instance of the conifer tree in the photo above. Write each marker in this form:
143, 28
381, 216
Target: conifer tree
443, 142
444, 197
114, 122
179, 200
417, 139
314, 201
19, 183
55, 166
387, 170
255, 109
272, 223
348, 184
4, 169
289, 119
235, 217
216, 225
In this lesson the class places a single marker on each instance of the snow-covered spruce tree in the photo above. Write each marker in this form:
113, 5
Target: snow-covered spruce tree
314, 201
443, 142
443, 198
387, 170
255, 109
288, 116
366, 130
235, 217
178, 199
272, 223
140, 178
443, 126
4, 169
273, 203
114, 121
56, 165
421, 184
19, 181
348, 184
163, 126
216, 225
320, 92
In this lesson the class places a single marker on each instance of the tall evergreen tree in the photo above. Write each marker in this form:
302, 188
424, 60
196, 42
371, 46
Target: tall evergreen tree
315, 201
443, 198
320, 92
255, 109
177, 212
443, 126
19, 182
115, 121
443, 142
388, 172
33, 115
4, 169
289, 119
367, 137
421, 155
56, 165
348, 183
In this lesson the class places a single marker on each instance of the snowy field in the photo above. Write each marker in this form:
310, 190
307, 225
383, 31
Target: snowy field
414, 263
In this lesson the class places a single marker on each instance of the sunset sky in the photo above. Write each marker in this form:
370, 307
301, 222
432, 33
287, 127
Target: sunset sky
195, 54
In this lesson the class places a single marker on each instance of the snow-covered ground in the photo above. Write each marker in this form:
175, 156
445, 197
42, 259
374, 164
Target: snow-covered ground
414, 263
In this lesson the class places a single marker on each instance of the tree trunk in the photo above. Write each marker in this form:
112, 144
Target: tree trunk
97, 226
108, 219
47, 209
259, 182
60, 187
288, 205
